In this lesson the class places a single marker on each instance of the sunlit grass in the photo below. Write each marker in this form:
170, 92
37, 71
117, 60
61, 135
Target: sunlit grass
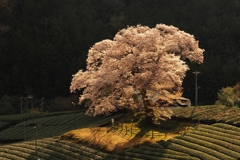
97, 136
127, 135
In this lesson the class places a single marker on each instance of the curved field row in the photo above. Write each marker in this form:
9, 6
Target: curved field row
51, 126
218, 133
208, 142
28, 116
165, 151
140, 156
218, 136
219, 130
3, 124
235, 119
215, 113
192, 152
223, 151
68, 150
86, 150
203, 149
162, 153
226, 143
50, 148
199, 110
228, 127
4, 154
122, 157
28, 148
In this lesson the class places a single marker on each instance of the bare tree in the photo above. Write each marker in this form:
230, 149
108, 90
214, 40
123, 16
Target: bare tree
140, 69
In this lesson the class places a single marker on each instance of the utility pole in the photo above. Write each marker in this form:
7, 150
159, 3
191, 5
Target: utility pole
36, 147
196, 92
21, 98
196, 88
42, 103
74, 104
31, 99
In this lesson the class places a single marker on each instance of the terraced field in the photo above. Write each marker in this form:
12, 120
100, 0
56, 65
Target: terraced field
211, 114
49, 148
48, 126
208, 142
219, 139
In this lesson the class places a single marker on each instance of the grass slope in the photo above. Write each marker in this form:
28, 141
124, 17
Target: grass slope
127, 135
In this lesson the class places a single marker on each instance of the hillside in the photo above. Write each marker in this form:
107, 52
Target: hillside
219, 139
32, 126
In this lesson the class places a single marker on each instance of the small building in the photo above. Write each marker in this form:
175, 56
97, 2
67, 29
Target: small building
181, 102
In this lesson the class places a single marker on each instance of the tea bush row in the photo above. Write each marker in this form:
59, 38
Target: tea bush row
78, 147
217, 113
168, 151
190, 151
137, 155
50, 148
201, 148
162, 154
213, 146
219, 131
51, 126
227, 143
217, 136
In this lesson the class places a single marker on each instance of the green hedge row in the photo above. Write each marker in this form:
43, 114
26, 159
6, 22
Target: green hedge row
201, 148
28, 116
13, 151
227, 143
52, 126
4, 155
190, 151
217, 113
139, 156
162, 154
49, 148
228, 127
167, 151
3, 124
219, 131
234, 119
65, 153
204, 142
225, 151
185, 112
43, 151
156, 145
30, 149
83, 148
120, 157
227, 139
79, 152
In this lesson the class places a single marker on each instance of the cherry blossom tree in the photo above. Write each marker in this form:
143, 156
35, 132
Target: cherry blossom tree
140, 69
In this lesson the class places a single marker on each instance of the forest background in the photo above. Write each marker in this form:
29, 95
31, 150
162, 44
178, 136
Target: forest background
44, 42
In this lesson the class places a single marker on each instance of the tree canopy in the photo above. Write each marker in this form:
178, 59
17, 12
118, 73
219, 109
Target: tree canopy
140, 69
